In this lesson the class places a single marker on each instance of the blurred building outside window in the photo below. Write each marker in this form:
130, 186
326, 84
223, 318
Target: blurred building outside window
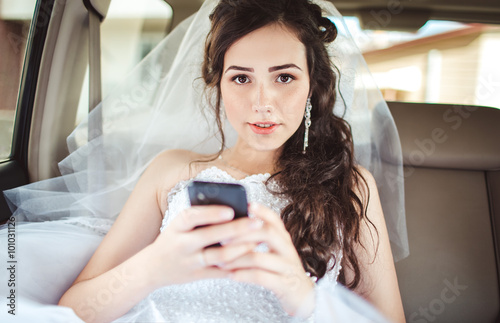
15, 20
444, 62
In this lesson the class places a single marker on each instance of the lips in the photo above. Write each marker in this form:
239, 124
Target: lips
263, 128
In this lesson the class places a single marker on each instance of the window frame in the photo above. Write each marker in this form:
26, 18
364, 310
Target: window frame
13, 170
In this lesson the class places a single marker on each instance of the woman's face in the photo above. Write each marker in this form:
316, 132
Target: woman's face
264, 86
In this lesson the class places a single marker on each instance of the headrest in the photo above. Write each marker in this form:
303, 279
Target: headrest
448, 136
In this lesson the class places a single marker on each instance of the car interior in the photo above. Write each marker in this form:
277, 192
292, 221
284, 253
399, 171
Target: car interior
451, 152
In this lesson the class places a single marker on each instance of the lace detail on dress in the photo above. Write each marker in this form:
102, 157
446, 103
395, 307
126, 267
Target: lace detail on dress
216, 300
98, 225
178, 198
333, 274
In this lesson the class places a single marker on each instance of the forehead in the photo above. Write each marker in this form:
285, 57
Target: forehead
270, 45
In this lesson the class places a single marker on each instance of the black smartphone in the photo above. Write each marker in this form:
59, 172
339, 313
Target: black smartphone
229, 194
209, 193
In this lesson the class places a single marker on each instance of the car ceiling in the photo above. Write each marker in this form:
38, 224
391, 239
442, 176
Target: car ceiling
396, 14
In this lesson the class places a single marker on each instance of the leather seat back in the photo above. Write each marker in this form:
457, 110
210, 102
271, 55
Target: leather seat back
452, 194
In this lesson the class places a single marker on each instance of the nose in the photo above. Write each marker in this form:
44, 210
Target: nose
263, 100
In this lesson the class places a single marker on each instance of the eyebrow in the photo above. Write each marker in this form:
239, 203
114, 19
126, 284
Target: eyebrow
271, 69
282, 67
239, 68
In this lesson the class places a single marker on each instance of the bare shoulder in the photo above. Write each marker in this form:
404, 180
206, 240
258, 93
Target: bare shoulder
175, 163
373, 227
171, 167
176, 157
366, 187
365, 173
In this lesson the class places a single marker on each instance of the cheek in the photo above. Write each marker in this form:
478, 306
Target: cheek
298, 115
296, 103
232, 104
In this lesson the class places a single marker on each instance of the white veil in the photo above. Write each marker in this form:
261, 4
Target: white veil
160, 106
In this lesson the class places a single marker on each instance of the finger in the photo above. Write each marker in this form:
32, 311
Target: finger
291, 288
196, 216
220, 256
271, 219
266, 214
229, 231
210, 272
281, 284
256, 260
277, 241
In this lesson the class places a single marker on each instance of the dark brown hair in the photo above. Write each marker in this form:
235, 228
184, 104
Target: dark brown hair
325, 213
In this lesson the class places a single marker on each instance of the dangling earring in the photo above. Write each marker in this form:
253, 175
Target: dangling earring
307, 123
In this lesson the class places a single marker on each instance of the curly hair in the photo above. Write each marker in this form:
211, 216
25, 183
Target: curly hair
325, 212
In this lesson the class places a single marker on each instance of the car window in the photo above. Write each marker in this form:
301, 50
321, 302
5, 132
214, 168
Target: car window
130, 31
15, 20
443, 62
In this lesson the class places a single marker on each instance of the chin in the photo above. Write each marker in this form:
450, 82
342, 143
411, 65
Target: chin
267, 147
263, 144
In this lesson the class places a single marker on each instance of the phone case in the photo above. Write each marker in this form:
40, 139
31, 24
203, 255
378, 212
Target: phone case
210, 193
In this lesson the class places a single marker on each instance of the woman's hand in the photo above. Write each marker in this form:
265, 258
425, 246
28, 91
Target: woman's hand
279, 270
180, 250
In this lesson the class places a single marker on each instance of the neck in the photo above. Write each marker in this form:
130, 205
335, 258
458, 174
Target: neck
251, 161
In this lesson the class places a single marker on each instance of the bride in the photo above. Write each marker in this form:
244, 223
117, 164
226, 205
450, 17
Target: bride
316, 216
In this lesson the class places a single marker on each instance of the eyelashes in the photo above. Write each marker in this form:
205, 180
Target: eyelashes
284, 78
240, 79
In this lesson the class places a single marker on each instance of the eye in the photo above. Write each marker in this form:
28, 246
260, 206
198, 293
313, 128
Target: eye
285, 78
240, 79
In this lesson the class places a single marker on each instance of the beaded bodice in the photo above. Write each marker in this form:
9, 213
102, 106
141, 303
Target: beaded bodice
216, 300
178, 199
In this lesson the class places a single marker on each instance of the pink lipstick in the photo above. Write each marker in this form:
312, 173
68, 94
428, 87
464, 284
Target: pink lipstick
263, 128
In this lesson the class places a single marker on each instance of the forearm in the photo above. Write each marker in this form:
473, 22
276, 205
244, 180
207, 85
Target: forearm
110, 295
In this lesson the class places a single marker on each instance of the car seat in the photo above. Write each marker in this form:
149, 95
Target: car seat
451, 156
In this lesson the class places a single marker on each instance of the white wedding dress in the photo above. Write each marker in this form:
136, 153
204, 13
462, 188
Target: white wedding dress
50, 255
215, 300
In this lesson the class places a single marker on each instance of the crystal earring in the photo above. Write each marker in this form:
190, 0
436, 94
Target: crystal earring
307, 123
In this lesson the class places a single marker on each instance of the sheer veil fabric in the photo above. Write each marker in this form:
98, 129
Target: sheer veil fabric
162, 105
